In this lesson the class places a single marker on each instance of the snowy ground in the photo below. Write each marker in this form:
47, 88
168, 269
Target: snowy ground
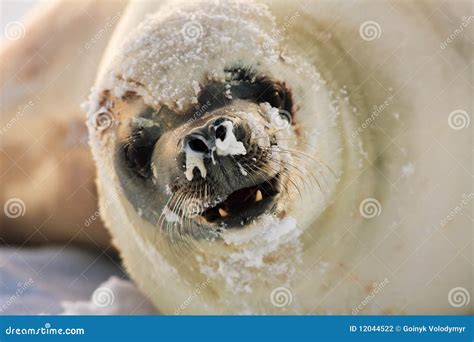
54, 280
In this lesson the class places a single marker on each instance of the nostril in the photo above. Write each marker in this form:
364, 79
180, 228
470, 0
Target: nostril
197, 145
221, 131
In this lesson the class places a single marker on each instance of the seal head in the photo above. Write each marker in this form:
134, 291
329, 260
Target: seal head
220, 163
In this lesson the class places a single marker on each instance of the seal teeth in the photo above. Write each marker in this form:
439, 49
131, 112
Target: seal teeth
258, 196
223, 213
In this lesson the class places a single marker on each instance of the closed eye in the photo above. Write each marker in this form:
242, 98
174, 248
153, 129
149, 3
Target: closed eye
245, 83
138, 149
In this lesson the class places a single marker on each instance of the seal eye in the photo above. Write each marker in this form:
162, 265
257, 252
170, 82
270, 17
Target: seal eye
139, 148
245, 83
138, 159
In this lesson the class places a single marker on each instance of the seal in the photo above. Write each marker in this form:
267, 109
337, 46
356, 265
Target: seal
277, 158
209, 153
242, 167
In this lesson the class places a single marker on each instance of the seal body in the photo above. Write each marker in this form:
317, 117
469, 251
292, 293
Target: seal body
277, 158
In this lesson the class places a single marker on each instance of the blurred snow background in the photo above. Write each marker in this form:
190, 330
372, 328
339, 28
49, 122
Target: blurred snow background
55, 279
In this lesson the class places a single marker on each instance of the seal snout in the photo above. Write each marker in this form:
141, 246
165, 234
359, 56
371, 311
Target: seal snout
217, 138
224, 135
220, 154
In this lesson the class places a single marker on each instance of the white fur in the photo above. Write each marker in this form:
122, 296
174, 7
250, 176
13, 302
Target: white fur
331, 255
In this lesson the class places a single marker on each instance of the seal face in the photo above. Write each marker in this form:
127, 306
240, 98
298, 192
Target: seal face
203, 148
221, 168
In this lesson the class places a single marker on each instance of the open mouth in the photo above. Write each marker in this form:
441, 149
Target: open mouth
243, 205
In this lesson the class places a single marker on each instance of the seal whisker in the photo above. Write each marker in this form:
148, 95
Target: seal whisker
307, 170
194, 207
300, 152
302, 156
296, 168
174, 211
312, 158
162, 217
262, 172
267, 168
299, 172
305, 158
182, 227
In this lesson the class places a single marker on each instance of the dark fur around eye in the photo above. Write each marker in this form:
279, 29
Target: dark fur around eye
246, 84
241, 83
138, 149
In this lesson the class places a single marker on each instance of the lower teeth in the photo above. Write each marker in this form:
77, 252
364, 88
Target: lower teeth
223, 213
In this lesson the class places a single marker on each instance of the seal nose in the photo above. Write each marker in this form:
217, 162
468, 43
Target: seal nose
198, 143
203, 139
218, 140
221, 132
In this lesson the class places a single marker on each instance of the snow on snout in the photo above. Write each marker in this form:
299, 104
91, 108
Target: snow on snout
229, 146
194, 159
